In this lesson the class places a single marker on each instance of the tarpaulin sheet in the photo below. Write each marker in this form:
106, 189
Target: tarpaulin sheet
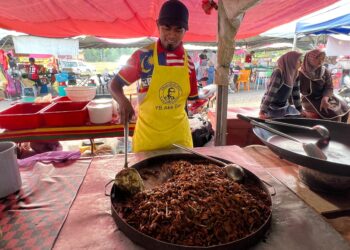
338, 45
32, 218
137, 18
41, 45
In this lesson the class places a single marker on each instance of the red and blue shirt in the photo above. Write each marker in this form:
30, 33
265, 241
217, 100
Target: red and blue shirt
140, 67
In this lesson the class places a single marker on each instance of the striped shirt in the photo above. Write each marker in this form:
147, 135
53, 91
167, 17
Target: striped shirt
140, 68
270, 96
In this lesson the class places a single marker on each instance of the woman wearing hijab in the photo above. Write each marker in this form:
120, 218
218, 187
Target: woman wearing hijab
282, 97
316, 87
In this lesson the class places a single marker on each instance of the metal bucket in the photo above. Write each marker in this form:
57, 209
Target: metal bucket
10, 178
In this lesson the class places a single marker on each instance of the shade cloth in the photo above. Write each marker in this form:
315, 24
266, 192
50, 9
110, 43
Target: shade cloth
130, 19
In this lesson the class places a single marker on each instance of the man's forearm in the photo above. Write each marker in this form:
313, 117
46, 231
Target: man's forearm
116, 91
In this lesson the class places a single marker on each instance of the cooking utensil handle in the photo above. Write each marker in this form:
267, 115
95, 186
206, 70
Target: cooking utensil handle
201, 155
287, 124
126, 136
109, 183
261, 125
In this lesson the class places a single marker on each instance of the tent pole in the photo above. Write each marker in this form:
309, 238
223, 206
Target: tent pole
295, 41
230, 15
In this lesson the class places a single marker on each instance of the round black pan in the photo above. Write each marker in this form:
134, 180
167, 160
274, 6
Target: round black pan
152, 243
337, 151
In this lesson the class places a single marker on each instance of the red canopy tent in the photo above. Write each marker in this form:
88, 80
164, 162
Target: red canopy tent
135, 18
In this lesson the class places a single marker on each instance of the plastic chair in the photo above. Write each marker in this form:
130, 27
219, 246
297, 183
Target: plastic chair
260, 79
244, 78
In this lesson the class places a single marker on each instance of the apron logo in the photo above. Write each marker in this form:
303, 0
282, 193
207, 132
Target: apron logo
170, 92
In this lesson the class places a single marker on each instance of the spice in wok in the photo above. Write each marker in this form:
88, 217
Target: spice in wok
197, 206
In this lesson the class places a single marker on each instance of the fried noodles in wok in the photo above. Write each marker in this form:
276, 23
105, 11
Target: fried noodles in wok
198, 205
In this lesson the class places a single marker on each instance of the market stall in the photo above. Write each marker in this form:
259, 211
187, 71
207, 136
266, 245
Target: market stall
62, 205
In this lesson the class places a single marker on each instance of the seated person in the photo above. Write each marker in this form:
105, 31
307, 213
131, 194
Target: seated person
282, 97
316, 87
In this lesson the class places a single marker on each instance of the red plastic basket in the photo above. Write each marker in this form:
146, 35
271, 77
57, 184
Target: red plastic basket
61, 99
22, 116
65, 114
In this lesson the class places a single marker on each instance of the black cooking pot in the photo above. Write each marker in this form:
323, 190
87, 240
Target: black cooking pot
152, 243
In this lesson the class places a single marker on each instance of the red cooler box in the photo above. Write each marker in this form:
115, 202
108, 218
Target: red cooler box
22, 116
65, 114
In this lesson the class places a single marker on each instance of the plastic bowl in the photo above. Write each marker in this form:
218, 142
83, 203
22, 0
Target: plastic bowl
81, 93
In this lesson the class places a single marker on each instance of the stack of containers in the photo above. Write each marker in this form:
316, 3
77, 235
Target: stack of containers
63, 112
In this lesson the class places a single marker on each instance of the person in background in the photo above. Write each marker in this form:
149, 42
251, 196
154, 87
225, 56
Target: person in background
211, 73
12, 62
316, 87
33, 72
203, 58
162, 68
249, 57
202, 72
282, 97
213, 58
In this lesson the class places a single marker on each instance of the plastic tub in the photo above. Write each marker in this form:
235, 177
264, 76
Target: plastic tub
22, 116
100, 111
62, 77
65, 114
81, 93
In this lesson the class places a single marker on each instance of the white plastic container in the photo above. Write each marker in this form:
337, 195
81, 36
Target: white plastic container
100, 111
10, 178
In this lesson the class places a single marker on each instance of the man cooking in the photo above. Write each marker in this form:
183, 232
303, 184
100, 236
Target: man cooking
162, 68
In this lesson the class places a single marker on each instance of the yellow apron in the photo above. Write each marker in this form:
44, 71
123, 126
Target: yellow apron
162, 119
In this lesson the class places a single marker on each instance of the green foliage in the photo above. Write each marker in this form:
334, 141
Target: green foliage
106, 54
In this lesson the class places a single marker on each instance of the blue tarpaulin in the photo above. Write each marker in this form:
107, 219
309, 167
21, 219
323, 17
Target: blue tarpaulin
338, 25
333, 21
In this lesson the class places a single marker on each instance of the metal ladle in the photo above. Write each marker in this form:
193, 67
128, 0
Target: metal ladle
233, 171
128, 181
310, 149
323, 131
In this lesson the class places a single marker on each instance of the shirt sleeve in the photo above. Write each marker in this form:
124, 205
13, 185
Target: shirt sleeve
274, 85
130, 72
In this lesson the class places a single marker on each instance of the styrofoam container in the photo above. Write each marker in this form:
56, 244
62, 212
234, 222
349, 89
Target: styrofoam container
81, 93
100, 111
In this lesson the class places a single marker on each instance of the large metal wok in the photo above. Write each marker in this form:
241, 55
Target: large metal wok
337, 152
148, 242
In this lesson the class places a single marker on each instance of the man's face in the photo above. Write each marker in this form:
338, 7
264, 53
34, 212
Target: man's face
171, 36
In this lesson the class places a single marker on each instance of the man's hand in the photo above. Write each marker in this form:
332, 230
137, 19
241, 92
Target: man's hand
324, 104
126, 110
